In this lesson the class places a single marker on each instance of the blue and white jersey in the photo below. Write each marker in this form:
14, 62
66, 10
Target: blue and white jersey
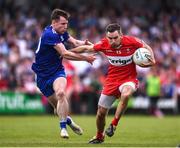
47, 59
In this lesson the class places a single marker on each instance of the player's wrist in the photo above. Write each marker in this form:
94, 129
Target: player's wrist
87, 42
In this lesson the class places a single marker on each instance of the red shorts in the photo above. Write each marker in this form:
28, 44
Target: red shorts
112, 88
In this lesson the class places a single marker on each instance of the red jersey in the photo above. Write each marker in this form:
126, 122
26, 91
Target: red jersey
121, 69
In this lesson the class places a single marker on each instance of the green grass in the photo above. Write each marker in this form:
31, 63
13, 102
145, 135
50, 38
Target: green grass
133, 131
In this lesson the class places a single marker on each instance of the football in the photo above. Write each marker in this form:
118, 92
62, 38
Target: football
141, 56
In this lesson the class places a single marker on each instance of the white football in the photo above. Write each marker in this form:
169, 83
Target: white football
141, 55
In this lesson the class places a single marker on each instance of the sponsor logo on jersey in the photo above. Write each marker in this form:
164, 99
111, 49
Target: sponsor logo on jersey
120, 60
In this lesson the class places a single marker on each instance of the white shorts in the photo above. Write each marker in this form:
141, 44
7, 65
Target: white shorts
132, 84
107, 101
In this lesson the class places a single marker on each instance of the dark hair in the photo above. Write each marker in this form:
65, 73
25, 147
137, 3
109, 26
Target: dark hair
56, 13
113, 27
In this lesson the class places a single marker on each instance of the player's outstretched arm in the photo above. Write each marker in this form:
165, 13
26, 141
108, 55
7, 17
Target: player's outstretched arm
83, 48
77, 43
73, 56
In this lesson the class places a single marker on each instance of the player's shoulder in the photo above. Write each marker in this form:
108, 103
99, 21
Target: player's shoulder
126, 39
103, 42
101, 45
49, 31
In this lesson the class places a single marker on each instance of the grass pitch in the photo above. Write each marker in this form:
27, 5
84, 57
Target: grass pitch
133, 131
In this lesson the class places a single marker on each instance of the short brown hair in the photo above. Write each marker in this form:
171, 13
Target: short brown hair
113, 27
56, 13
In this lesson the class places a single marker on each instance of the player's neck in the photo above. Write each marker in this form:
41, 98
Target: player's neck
117, 47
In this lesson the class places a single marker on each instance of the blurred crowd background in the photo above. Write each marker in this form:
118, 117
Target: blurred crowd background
157, 22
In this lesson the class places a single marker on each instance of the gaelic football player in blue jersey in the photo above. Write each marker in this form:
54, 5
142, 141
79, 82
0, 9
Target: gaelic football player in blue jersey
51, 77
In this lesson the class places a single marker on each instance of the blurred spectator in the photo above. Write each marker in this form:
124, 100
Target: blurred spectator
177, 93
153, 91
4, 72
74, 87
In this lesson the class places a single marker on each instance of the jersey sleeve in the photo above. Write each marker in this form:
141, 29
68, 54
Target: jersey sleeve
98, 46
101, 45
137, 42
51, 39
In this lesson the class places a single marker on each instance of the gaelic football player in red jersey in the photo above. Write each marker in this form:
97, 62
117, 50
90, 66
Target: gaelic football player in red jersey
121, 81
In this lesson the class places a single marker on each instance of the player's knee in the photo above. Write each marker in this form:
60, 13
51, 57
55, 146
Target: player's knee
125, 95
101, 113
60, 94
125, 98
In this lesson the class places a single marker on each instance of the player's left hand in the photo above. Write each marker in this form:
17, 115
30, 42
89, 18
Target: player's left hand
146, 64
151, 59
150, 63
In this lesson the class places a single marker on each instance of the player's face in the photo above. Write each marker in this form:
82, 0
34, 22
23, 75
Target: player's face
60, 25
114, 39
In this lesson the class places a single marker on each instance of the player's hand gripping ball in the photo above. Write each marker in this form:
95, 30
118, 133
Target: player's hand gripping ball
142, 56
